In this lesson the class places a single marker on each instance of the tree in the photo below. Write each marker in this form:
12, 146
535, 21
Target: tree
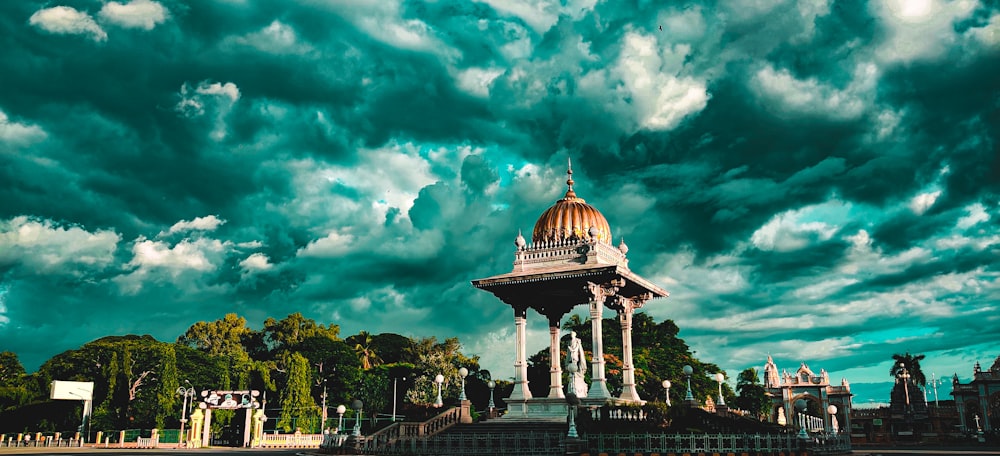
293, 329
298, 410
366, 352
11, 371
912, 365
218, 338
752, 395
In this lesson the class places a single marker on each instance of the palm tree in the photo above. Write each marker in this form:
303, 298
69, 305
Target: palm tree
366, 353
912, 365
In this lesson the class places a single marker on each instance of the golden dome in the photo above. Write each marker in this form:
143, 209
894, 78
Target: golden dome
571, 218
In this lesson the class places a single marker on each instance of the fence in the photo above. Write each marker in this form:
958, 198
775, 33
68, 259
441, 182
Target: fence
39, 439
716, 443
473, 444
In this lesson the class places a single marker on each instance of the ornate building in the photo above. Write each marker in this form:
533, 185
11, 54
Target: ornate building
978, 401
817, 392
569, 262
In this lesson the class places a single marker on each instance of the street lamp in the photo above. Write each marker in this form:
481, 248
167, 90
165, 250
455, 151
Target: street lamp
439, 379
905, 376
340, 422
462, 372
800, 406
934, 383
186, 394
720, 377
394, 396
832, 410
687, 373
356, 405
491, 385
666, 392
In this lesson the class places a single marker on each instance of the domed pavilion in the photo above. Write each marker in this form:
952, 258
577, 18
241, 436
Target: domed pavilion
570, 261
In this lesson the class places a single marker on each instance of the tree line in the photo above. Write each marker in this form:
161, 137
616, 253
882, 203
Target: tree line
299, 365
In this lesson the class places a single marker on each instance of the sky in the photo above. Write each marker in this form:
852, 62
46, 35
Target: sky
815, 180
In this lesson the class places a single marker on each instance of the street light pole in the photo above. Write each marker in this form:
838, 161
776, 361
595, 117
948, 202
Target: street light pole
439, 379
688, 370
185, 393
394, 396
462, 372
666, 392
356, 405
340, 422
721, 378
323, 426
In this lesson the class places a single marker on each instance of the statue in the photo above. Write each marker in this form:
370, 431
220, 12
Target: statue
579, 360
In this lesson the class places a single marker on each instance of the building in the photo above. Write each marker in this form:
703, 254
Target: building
570, 261
978, 401
827, 407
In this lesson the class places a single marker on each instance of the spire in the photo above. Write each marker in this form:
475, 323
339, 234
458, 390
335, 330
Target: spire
569, 179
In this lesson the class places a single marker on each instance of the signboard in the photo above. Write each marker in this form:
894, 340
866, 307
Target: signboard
228, 400
71, 391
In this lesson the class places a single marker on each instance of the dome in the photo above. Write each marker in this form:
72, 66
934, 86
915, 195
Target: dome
571, 218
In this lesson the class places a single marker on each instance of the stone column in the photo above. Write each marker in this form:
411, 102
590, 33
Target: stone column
555, 367
629, 392
521, 390
206, 435
598, 383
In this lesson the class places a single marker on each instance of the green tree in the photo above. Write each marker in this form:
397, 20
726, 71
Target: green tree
912, 365
222, 337
293, 329
752, 394
365, 350
298, 410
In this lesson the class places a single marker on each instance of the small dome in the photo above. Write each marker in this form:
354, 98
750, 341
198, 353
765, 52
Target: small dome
571, 218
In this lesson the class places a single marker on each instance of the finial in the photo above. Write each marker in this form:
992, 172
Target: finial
569, 179
519, 241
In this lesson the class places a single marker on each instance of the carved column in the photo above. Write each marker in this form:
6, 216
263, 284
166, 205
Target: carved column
626, 308
520, 358
598, 383
625, 313
555, 368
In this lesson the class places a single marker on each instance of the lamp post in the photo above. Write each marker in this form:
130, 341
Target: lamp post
439, 379
491, 385
394, 396
720, 377
186, 394
905, 376
462, 372
356, 405
934, 383
800, 406
832, 410
687, 373
340, 422
666, 392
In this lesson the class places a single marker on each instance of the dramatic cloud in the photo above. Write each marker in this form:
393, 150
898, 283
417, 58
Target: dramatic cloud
813, 180
69, 21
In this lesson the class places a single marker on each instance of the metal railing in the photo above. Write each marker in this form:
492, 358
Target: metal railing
473, 444
715, 443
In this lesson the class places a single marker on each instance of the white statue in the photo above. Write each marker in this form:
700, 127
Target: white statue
579, 360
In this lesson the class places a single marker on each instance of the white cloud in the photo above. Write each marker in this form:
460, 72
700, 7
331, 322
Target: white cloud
787, 231
988, 34
331, 246
541, 15
256, 262
220, 97
206, 223
45, 247
919, 29
145, 14
920, 203
650, 75
67, 21
476, 81
18, 134
977, 214
276, 38
786, 94
181, 264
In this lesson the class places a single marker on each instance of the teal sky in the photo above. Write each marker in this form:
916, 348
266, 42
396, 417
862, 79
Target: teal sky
815, 180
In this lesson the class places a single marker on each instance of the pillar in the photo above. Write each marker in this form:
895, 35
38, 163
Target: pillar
206, 430
520, 391
629, 393
192, 440
555, 367
598, 383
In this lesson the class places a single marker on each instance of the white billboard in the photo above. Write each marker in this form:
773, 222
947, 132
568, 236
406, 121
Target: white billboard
72, 391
